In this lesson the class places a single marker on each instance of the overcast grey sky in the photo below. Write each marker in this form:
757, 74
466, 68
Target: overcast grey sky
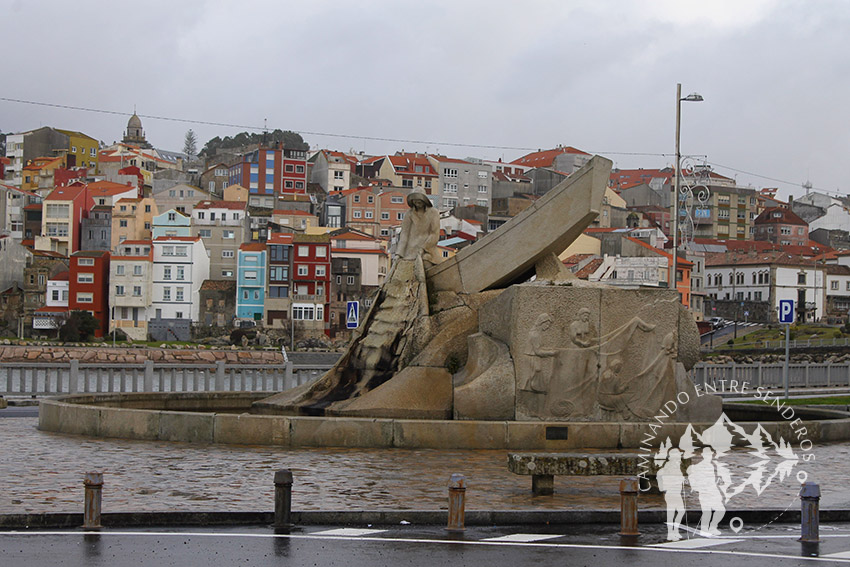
599, 75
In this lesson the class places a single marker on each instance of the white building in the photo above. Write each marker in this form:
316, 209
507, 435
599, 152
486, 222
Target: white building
130, 278
767, 277
180, 266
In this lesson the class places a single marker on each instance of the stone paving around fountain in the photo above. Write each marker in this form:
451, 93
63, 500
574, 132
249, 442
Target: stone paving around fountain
43, 472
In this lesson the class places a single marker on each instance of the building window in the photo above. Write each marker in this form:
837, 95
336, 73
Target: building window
396, 199
85, 261
205, 233
337, 175
179, 297
385, 216
137, 291
137, 270
119, 290
166, 294
303, 270
303, 251
357, 214
227, 273
833, 285
321, 252
181, 273
305, 312
369, 214
356, 198
801, 278
450, 172
250, 274
83, 278
227, 253
85, 297
320, 271
289, 168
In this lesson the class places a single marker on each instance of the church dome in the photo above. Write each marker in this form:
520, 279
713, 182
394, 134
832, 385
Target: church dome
134, 122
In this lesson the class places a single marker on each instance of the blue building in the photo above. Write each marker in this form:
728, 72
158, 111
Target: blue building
251, 269
171, 223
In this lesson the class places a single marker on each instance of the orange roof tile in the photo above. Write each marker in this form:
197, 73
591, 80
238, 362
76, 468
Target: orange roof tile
546, 158
232, 205
253, 247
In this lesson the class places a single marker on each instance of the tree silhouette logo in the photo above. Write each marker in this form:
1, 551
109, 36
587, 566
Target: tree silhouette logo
713, 481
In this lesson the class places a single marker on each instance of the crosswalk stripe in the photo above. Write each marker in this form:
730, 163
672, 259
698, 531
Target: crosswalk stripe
839, 555
350, 532
523, 538
695, 543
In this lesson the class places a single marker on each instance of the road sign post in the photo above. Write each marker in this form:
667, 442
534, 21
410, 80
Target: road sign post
786, 316
352, 315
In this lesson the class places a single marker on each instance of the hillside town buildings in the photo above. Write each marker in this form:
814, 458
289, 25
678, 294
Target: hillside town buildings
158, 245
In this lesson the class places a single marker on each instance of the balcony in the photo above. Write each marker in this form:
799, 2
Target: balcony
309, 298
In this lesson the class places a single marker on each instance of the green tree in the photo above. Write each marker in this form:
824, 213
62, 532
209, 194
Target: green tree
79, 326
190, 144
290, 140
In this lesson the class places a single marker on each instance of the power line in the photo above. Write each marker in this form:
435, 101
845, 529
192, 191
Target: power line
379, 138
306, 132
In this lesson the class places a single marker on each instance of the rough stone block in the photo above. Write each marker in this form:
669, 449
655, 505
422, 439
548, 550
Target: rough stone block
129, 423
340, 432
415, 392
186, 426
246, 429
450, 434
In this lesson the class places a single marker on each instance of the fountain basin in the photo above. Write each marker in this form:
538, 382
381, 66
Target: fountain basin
223, 417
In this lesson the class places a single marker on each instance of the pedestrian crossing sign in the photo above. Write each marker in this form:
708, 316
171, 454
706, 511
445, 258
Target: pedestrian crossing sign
352, 317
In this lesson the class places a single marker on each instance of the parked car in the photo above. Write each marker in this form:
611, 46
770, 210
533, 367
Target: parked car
717, 322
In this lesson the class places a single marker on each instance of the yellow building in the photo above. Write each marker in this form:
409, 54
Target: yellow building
83, 148
132, 220
38, 173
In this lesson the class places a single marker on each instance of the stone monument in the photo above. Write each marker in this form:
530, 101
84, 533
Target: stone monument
502, 331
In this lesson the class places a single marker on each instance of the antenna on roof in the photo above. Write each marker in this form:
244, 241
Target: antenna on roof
807, 186
265, 129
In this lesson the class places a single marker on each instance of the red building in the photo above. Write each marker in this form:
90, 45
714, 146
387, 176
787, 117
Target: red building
311, 277
781, 225
89, 286
271, 172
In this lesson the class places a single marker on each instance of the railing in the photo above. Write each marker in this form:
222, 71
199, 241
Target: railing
40, 379
780, 344
800, 375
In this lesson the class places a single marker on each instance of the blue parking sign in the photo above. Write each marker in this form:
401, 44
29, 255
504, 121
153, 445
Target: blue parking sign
352, 314
786, 311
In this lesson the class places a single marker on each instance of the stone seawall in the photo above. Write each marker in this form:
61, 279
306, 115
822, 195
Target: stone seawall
136, 355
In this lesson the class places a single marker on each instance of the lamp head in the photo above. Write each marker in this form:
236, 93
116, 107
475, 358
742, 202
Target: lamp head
693, 97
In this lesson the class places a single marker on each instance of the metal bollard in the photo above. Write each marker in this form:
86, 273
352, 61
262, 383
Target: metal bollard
810, 512
629, 489
282, 499
457, 502
93, 483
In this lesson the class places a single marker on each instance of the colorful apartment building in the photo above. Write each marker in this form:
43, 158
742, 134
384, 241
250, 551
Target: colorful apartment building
62, 212
278, 302
251, 281
224, 227
130, 287
132, 219
269, 172
89, 286
311, 275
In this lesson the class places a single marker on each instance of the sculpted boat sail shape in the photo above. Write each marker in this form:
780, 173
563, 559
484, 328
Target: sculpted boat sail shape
472, 338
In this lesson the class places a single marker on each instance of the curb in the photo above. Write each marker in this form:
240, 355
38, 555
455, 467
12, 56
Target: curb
390, 517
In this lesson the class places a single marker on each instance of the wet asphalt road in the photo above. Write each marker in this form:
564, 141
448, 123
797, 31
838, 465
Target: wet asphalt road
541, 546
15, 411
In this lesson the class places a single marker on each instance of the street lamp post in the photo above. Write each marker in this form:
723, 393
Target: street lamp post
693, 97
